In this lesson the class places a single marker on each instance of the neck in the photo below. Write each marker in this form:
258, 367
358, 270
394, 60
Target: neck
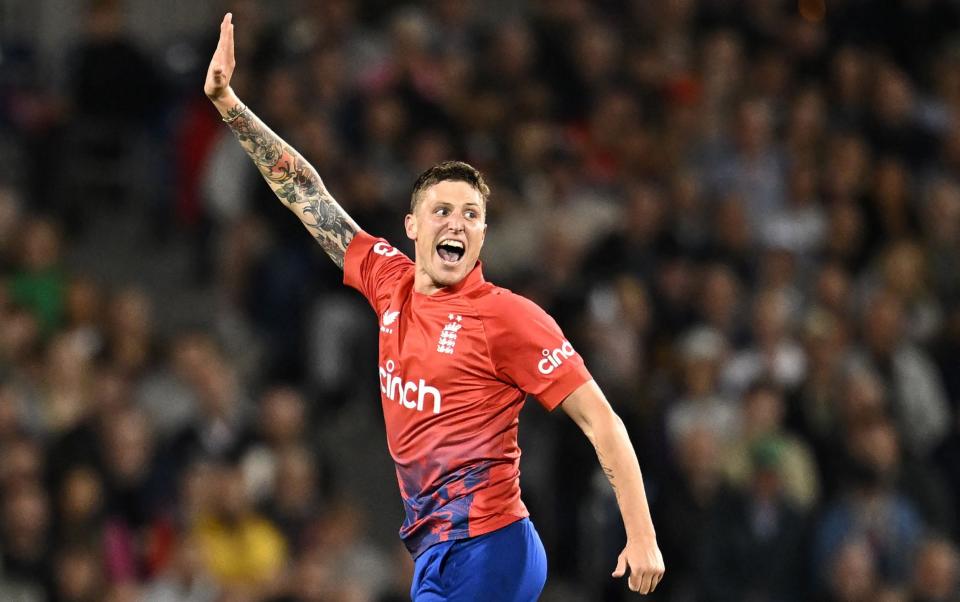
424, 284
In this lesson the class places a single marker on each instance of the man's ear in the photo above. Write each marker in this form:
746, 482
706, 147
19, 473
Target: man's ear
410, 225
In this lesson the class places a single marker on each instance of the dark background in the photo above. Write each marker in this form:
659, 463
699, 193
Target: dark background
745, 214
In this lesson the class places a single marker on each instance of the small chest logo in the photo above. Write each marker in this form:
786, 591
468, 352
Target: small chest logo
389, 317
448, 336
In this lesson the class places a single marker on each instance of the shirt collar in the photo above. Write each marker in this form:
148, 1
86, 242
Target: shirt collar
472, 280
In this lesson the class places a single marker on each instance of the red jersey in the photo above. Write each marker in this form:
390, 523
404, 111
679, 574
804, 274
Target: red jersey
455, 368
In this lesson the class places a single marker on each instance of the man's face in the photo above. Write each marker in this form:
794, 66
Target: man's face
449, 227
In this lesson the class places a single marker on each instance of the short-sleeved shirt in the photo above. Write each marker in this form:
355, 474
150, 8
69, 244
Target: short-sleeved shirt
454, 370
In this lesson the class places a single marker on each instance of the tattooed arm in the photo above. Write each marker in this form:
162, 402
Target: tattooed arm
590, 410
288, 174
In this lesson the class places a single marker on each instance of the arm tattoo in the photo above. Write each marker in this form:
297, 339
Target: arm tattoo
610, 476
296, 183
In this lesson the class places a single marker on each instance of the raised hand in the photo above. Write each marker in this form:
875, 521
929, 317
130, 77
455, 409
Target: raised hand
222, 64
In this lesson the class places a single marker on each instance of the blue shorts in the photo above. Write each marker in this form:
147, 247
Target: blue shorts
506, 565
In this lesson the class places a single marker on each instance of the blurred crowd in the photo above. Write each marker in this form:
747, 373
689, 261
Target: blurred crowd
745, 214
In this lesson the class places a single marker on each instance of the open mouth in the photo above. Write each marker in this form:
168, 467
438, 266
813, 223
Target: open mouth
450, 251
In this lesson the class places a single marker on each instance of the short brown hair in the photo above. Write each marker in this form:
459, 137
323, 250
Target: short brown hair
456, 171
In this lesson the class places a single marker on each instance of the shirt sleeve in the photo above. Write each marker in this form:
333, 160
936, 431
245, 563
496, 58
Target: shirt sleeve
370, 264
530, 351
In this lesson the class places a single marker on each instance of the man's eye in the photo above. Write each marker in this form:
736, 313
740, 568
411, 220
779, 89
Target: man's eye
471, 214
440, 211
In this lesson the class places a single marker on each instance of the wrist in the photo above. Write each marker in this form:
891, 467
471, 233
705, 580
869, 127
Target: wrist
225, 102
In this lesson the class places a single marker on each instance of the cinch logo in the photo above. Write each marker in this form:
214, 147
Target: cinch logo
382, 248
410, 394
554, 359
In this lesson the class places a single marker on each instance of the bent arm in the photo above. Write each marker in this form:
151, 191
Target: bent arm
295, 182
590, 410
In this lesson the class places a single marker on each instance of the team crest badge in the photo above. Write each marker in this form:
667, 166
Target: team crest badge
448, 336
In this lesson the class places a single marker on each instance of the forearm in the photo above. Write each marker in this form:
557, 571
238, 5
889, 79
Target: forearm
619, 462
295, 182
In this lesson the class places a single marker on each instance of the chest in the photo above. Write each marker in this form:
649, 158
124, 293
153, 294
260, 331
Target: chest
431, 356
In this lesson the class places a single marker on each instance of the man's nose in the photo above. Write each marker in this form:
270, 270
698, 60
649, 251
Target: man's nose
455, 223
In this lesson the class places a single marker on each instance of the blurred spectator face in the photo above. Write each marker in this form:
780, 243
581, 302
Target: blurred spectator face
763, 411
231, 501
863, 397
531, 142
806, 120
198, 491
188, 561
701, 351
936, 575
22, 462
26, 518
849, 72
903, 270
385, 120
513, 50
891, 184
296, 480
825, 339
845, 230
201, 365
771, 316
430, 148
283, 416
732, 225
11, 411
79, 575
111, 392
131, 314
832, 288
883, 324
803, 183
778, 268
754, 127
81, 498
853, 575
942, 213
10, 216
83, 302
722, 64
19, 336
282, 95
893, 96
615, 112
315, 578
40, 246
644, 213
846, 166
68, 361
597, 52
875, 443
698, 455
129, 448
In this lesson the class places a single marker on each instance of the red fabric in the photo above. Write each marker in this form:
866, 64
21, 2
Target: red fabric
195, 137
454, 371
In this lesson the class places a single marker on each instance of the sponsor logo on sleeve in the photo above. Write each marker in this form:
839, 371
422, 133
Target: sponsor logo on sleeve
554, 358
382, 248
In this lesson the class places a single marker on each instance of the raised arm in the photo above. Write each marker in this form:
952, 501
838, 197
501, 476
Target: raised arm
294, 181
641, 556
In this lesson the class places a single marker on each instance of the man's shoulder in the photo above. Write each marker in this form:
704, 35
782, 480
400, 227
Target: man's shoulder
500, 304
